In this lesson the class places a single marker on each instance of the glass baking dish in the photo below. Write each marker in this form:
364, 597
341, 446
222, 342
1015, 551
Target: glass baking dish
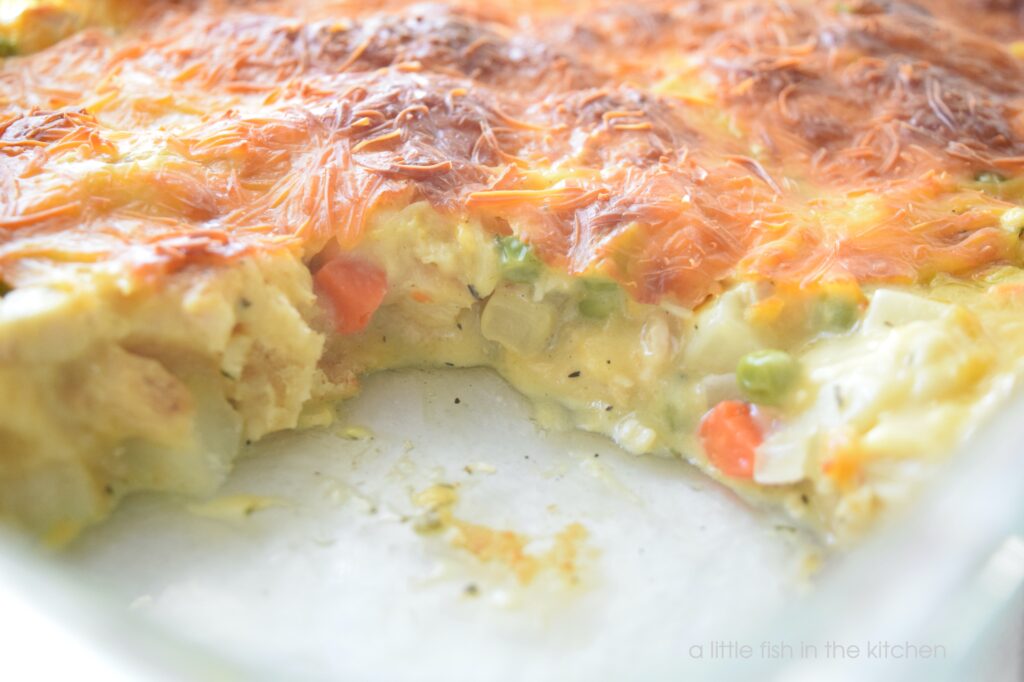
935, 594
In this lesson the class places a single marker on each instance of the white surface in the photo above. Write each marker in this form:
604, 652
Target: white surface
31, 636
335, 582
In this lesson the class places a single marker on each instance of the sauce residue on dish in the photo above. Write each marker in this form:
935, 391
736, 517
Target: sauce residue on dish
501, 546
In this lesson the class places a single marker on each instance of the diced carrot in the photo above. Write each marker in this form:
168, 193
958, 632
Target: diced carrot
354, 289
731, 437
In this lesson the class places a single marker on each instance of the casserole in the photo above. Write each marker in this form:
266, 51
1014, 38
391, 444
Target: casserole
781, 242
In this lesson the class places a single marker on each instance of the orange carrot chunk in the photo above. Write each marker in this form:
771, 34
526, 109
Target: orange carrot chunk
354, 290
731, 437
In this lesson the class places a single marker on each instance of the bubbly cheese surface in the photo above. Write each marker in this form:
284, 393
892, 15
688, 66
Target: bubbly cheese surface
673, 148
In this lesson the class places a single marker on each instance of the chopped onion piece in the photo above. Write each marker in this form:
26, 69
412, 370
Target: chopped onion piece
516, 322
890, 308
781, 458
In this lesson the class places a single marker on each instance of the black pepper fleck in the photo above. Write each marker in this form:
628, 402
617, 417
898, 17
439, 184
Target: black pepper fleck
574, 375
608, 409
473, 292
457, 401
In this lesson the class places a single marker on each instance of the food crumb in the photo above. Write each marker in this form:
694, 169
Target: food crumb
353, 432
234, 507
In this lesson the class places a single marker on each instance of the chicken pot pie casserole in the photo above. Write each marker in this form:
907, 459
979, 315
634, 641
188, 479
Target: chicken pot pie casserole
779, 240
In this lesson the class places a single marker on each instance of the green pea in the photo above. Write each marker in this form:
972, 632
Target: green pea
835, 314
518, 261
767, 376
600, 299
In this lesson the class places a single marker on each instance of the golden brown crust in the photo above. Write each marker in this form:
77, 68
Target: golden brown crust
672, 146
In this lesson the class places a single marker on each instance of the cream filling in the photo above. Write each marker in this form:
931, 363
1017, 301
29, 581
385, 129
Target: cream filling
110, 391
